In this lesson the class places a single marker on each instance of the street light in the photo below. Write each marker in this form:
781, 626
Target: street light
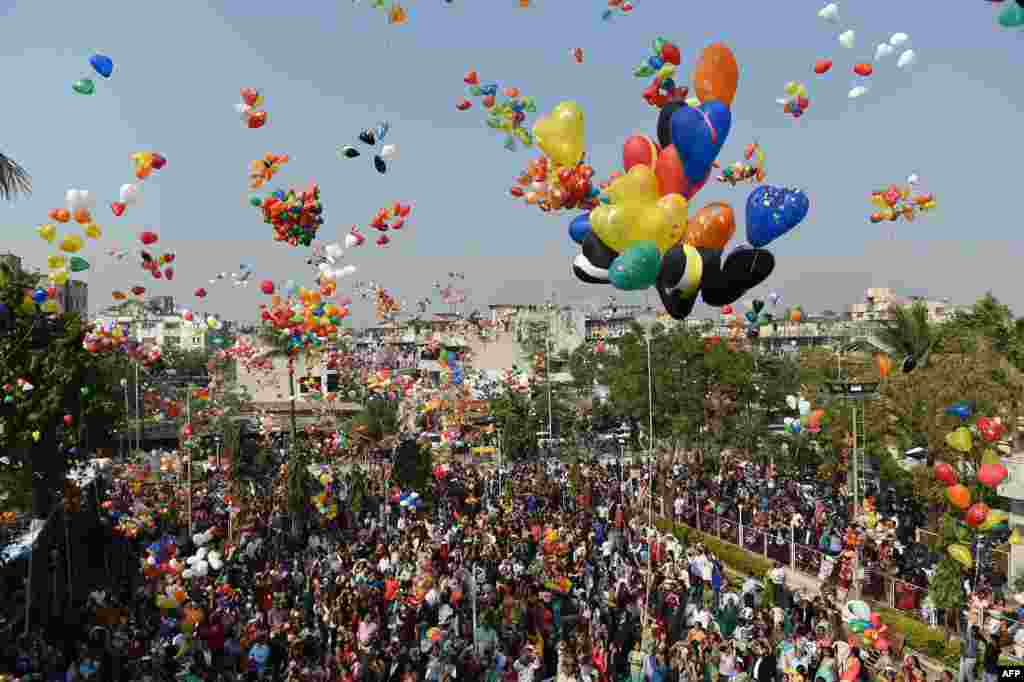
647, 324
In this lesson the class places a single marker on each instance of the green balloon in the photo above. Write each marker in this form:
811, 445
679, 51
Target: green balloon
79, 264
84, 86
85, 391
636, 268
658, 44
1012, 16
255, 200
758, 305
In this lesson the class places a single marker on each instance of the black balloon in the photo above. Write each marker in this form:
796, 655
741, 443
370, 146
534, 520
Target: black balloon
673, 268
715, 287
742, 270
379, 164
665, 122
368, 137
909, 364
598, 257
676, 306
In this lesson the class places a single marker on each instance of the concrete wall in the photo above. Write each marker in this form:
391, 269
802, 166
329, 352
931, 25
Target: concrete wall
268, 387
499, 352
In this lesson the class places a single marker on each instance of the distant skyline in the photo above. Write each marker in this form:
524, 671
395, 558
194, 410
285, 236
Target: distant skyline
329, 70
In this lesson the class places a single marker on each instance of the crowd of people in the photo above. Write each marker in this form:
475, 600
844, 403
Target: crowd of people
532, 573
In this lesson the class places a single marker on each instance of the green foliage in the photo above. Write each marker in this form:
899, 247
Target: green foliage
377, 419
933, 642
946, 588
735, 557
909, 332
414, 468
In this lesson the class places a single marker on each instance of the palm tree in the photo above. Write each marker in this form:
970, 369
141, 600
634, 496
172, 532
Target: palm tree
14, 179
911, 334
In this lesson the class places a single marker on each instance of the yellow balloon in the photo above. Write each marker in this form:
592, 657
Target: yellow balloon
561, 134
56, 262
50, 307
638, 214
93, 231
878, 201
792, 87
994, 518
961, 555
960, 439
666, 71
59, 277
47, 232
71, 243
1015, 537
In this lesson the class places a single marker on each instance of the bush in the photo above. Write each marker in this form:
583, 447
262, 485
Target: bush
739, 560
932, 642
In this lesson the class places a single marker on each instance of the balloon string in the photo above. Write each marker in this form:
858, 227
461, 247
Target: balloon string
753, 263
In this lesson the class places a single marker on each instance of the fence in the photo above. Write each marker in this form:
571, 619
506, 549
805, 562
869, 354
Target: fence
779, 544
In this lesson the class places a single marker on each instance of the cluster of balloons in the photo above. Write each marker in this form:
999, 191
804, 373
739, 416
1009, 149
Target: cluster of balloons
904, 201
249, 108
328, 263
19, 389
390, 218
751, 169
615, 8
848, 40
135, 290
552, 187
507, 115
102, 65
395, 12
796, 100
662, 64
386, 305
79, 204
451, 361
861, 620
262, 171
809, 419
373, 138
153, 263
296, 215
304, 317
131, 193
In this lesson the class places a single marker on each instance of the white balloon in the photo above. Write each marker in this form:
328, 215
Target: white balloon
333, 252
883, 50
351, 241
913, 179
898, 39
907, 59
130, 194
847, 39
324, 269
243, 110
830, 12
857, 92
78, 198
347, 270
389, 151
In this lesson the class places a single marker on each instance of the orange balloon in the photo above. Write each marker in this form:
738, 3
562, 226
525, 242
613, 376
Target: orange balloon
796, 315
668, 169
716, 75
884, 364
712, 227
959, 496
61, 215
82, 216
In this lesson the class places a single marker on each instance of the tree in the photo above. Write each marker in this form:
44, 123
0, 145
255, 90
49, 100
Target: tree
14, 179
910, 333
71, 393
414, 468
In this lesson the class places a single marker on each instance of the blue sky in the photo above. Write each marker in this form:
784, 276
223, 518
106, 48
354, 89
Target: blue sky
329, 69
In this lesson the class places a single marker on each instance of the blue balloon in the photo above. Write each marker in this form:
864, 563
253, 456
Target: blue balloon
698, 135
579, 228
960, 409
655, 62
751, 316
772, 212
40, 296
102, 64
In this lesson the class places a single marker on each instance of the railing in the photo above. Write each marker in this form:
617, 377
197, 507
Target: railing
778, 544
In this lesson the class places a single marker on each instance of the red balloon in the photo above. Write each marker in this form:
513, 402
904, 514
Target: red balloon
670, 54
672, 177
68, 420
637, 150
727, 309
267, 287
169, 273
977, 514
863, 69
991, 475
990, 429
148, 237
201, 292
945, 473
822, 66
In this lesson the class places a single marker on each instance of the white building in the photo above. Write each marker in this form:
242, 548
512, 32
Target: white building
163, 331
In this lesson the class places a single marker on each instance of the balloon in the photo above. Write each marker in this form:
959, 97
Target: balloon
679, 279
39, 296
71, 243
884, 364
47, 232
712, 226
698, 135
990, 429
1012, 15
665, 122
848, 39
639, 149
579, 228
389, 152
102, 64
772, 212
977, 514
991, 475
907, 59
716, 75
130, 194
147, 237
93, 231
637, 268
829, 13
946, 473
1015, 537
672, 175
960, 409
960, 439
863, 69
638, 214
959, 496
742, 270
822, 66
79, 264
84, 86
561, 134
961, 555
995, 517
591, 266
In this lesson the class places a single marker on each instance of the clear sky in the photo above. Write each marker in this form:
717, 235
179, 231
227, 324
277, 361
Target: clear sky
329, 69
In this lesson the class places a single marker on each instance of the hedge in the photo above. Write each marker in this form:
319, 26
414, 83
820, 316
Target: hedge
738, 559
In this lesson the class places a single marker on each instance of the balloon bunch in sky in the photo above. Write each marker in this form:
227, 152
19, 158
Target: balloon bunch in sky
390, 218
152, 263
249, 109
904, 202
848, 40
642, 234
796, 100
507, 115
394, 11
662, 64
262, 171
751, 169
130, 193
296, 215
302, 316
102, 65
616, 8
561, 183
373, 138
79, 204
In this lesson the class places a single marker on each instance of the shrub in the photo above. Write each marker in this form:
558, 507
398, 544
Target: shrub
930, 641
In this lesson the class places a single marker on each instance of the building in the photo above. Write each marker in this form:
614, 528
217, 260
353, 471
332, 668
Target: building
162, 331
879, 304
72, 297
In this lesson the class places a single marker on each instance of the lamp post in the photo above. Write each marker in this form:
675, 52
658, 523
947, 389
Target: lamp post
547, 372
647, 325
